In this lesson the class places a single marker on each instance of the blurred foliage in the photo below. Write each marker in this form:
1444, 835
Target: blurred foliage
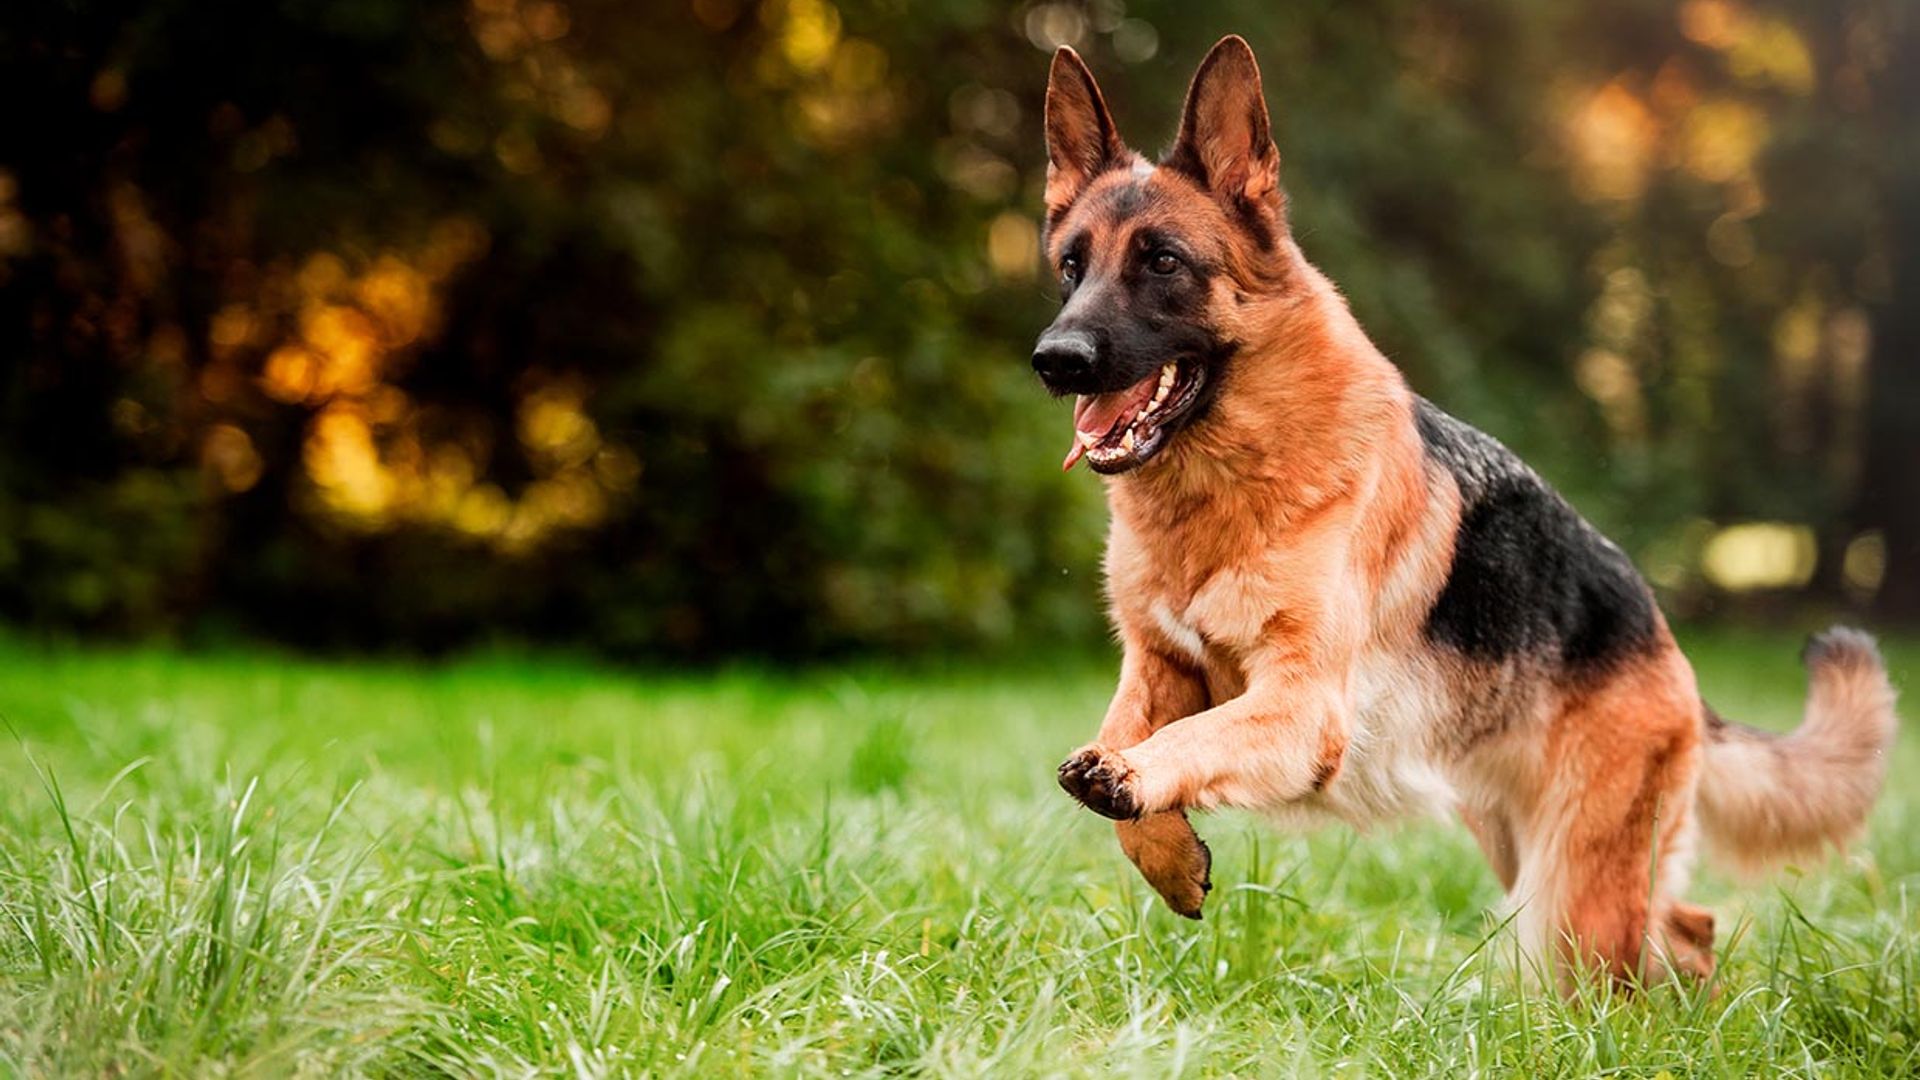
690, 328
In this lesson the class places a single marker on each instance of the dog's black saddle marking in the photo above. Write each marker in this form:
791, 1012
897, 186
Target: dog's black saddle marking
1530, 577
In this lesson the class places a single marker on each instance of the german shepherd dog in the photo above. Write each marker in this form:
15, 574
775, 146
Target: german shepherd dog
1337, 601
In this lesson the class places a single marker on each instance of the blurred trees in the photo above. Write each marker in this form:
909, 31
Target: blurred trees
700, 327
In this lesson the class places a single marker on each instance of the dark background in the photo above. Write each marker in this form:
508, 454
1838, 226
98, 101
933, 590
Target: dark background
687, 330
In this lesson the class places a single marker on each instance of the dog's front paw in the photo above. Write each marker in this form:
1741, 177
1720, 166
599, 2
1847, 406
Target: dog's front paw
1103, 782
1172, 857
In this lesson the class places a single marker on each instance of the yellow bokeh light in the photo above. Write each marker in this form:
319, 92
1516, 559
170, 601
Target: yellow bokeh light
554, 426
1013, 245
109, 89
453, 241
227, 454
1713, 23
859, 66
545, 20
1720, 140
1865, 563
232, 327
1772, 51
348, 345
343, 322
585, 109
341, 458
1610, 380
398, 297
1760, 555
322, 273
1796, 344
290, 373
483, 511
808, 31
517, 152
1759, 49
1612, 135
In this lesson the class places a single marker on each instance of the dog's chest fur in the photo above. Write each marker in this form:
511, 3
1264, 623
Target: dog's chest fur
1399, 697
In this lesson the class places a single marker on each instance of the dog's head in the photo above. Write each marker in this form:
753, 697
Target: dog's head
1152, 259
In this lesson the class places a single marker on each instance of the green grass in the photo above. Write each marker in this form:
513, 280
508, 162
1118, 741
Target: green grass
250, 865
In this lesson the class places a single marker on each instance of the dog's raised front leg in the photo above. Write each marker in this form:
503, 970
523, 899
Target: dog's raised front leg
1279, 741
1155, 691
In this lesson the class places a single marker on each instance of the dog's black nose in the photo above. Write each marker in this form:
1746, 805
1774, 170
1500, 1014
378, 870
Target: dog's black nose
1064, 356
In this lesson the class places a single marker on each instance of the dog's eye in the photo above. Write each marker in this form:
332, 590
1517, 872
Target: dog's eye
1070, 269
1163, 262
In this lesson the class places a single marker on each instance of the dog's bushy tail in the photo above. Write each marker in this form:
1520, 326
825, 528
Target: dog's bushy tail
1767, 798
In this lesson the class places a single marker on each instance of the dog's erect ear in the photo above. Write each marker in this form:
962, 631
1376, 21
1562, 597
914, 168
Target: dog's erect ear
1226, 140
1081, 140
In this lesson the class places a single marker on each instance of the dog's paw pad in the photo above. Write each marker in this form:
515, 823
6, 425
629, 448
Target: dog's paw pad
1101, 782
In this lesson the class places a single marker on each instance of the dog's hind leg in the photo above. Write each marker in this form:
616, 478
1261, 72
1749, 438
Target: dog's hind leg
1494, 832
1155, 691
1606, 851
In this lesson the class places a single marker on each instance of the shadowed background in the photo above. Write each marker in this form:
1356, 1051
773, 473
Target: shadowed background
676, 329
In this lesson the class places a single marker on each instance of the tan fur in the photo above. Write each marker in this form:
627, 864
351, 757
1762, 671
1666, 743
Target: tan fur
1270, 575
1765, 800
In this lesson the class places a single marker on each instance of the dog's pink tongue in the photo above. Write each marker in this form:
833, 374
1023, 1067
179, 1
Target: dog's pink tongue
1095, 414
1073, 454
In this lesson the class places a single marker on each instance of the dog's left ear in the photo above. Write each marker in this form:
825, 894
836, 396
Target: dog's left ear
1226, 140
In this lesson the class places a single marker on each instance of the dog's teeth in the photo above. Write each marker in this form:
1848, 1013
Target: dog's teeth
1087, 439
1127, 443
1166, 375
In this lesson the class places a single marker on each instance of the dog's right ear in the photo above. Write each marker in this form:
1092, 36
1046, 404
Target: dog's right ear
1081, 140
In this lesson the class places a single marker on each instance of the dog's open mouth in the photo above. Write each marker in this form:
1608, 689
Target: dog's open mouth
1126, 428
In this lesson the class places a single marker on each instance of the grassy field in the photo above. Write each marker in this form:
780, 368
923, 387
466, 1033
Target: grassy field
250, 865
